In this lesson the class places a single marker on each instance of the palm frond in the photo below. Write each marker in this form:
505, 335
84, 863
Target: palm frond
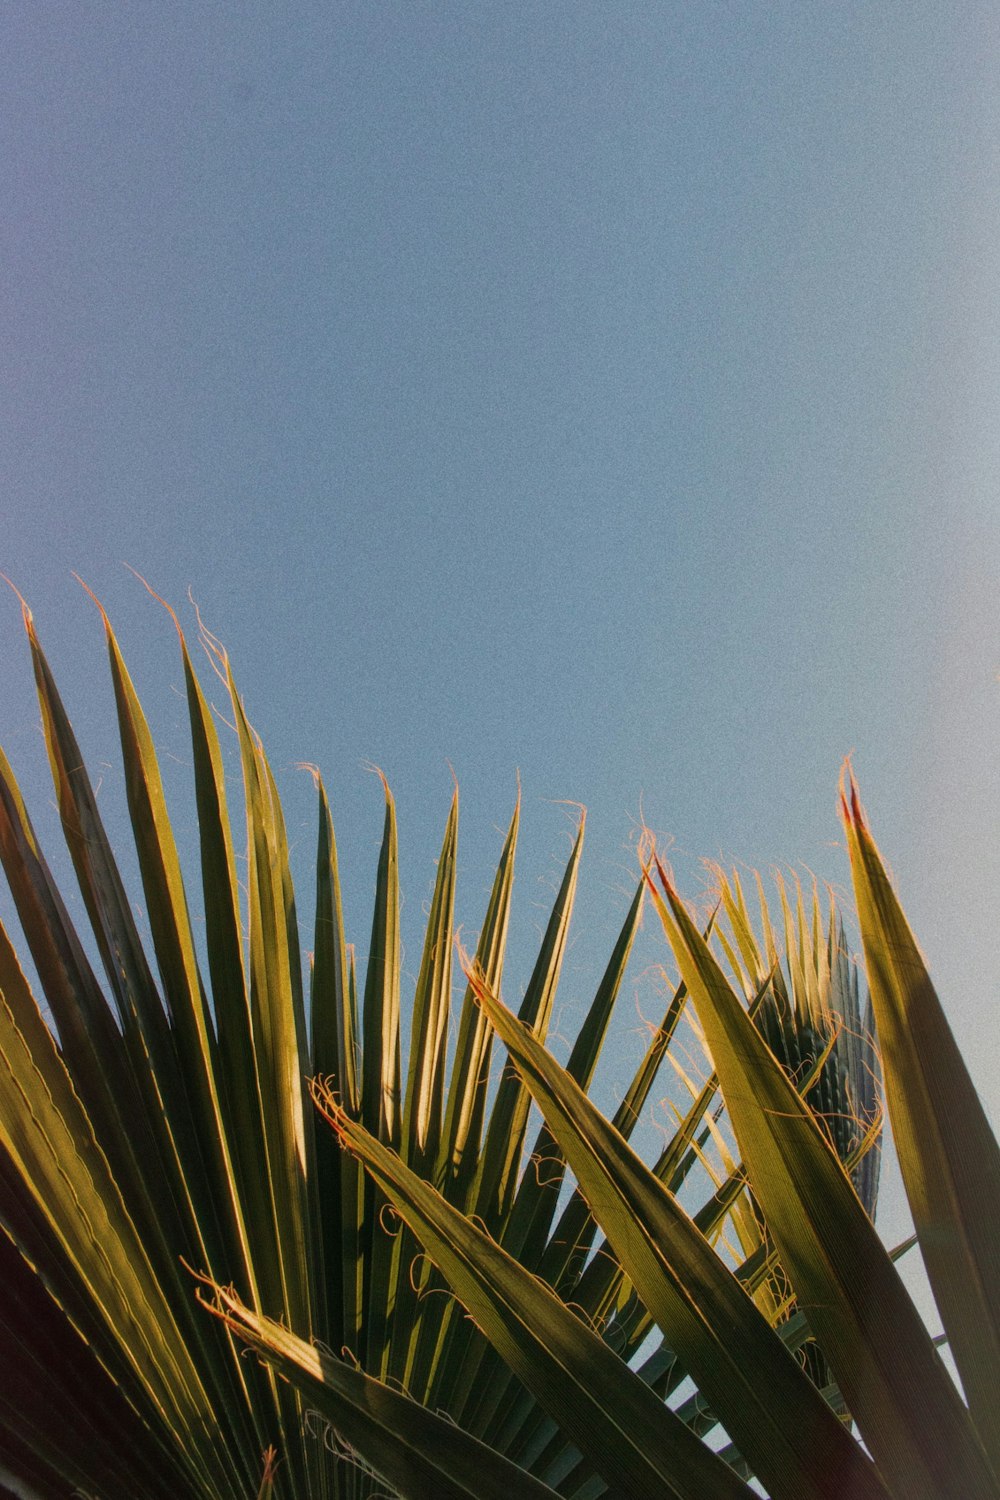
158, 1134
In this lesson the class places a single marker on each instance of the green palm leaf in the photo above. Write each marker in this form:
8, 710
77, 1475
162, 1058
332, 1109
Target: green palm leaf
423, 1455
896, 1388
642, 1449
156, 1117
787, 1434
948, 1154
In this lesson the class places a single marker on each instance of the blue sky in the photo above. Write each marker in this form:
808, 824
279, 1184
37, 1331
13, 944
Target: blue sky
604, 391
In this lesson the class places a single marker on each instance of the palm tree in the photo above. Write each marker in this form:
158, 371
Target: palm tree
160, 1138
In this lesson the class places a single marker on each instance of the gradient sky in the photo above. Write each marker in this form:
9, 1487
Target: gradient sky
607, 391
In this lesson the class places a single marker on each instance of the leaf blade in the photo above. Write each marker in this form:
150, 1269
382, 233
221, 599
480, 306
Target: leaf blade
898, 1392
948, 1155
638, 1444
717, 1332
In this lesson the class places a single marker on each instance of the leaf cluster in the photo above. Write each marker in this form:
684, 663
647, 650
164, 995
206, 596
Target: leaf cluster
441, 1302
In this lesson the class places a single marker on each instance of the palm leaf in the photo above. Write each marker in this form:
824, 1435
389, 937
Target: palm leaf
897, 1389
424, 1456
638, 1444
156, 1116
949, 1157
787, 1434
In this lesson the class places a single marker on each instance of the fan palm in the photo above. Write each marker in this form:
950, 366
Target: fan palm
158, 1134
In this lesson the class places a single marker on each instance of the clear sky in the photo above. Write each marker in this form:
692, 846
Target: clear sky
608, 391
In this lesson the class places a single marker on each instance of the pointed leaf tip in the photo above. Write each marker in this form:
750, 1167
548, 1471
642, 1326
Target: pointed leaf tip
850, 799
158, 597
377, 771
669, 888
26, 614
88, 590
